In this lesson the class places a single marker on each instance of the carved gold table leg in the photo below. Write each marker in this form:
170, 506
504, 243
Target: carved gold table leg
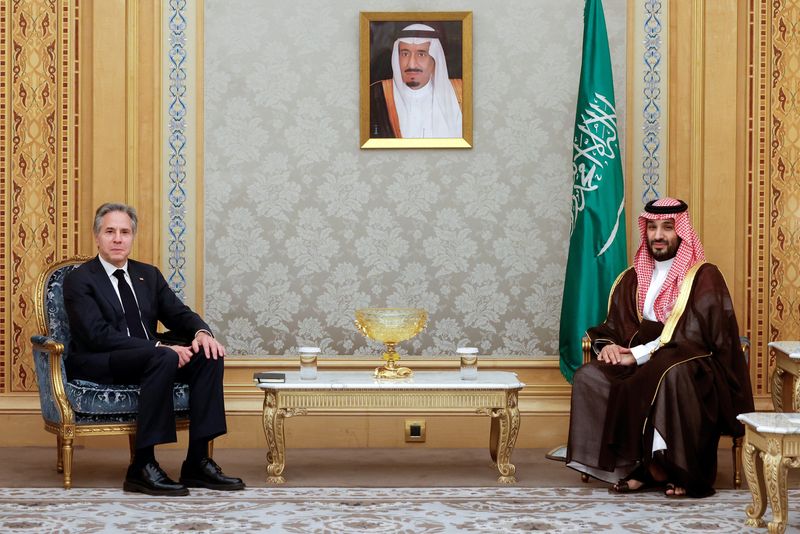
276, 446
508, 418
777, 389
755, 480
273, 419
775, 471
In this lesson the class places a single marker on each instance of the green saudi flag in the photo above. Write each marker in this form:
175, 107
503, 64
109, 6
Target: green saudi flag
597, 250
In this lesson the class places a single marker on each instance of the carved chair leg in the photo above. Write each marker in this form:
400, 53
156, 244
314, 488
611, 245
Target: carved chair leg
211, 449
66, 453
736, 450
132, 445
59, 454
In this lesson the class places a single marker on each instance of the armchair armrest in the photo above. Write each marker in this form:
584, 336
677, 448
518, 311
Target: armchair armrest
586, 347
48, 356
745, 342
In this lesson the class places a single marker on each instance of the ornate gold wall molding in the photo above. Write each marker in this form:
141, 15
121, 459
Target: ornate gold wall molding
39, 164
121, 111
772, 176
697, 108
706, 116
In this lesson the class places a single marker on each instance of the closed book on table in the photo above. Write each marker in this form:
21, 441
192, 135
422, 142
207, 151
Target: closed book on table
265, 376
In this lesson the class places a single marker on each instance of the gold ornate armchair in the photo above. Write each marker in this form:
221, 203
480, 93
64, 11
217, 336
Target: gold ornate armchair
736, 447
74, 408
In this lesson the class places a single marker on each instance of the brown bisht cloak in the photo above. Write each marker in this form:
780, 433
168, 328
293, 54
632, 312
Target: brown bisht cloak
691, 389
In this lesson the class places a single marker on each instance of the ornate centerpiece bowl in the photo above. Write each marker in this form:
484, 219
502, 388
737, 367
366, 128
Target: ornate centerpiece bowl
391, 326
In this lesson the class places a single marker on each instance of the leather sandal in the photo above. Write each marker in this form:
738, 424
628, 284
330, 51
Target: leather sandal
672, 487
639, 474
623, 487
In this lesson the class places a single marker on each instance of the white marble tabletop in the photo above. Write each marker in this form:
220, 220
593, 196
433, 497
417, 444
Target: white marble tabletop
421, 380
772, 422
792, 348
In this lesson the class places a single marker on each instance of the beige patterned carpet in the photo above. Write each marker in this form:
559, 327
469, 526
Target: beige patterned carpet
397, 510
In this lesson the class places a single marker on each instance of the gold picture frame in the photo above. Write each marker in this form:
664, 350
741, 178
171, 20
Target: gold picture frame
379, 122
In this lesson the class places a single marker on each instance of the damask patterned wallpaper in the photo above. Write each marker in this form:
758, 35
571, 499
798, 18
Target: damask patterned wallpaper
302, 227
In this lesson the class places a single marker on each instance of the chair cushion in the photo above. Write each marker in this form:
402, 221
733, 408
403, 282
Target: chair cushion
90, 398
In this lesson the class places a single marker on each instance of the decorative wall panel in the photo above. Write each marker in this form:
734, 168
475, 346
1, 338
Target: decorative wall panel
39, 171
773, 176
785, 171
654, 23
180, 176
302, 227
648, 132
5, 97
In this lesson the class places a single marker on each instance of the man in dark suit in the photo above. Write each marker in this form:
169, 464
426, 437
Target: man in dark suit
113, 305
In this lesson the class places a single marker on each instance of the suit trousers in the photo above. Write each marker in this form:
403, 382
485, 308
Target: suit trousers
156, 371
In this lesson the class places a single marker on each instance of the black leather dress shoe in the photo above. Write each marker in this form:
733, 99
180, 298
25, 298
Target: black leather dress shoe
207, 474
152, 480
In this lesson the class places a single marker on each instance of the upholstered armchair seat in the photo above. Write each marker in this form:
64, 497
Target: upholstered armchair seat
120, 402
73, 408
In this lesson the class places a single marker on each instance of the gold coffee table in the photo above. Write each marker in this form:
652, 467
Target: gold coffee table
493, 393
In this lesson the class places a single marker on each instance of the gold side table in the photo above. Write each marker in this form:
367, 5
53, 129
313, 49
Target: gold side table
786, 376
771, 448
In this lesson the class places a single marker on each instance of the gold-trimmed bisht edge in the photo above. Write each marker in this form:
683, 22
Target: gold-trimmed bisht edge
680, 304
671, 324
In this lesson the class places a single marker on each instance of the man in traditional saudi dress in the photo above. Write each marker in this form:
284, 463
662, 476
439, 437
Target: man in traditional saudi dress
420, 101
667, 375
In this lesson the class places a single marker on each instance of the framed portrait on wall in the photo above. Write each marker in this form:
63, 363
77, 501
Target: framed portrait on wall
416, 79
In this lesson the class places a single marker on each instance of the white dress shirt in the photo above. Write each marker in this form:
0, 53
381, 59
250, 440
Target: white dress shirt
643, 352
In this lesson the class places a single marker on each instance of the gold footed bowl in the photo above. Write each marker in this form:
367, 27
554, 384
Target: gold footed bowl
390, 326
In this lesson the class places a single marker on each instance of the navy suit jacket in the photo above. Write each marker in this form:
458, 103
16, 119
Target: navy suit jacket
97, 322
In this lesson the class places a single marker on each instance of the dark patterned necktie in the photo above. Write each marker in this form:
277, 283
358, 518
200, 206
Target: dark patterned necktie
132, 316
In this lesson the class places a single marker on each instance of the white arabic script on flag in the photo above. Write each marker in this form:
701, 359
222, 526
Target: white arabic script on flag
594, 146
